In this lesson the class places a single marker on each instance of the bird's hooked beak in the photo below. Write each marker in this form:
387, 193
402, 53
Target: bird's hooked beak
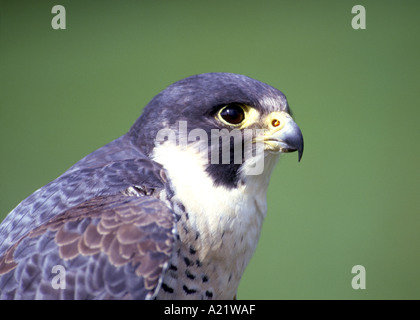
282, 134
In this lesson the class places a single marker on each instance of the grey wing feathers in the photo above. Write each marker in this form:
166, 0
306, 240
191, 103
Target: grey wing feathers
105, 171
109, 247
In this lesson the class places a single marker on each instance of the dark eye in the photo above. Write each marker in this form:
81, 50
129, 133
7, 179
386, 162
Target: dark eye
232, 114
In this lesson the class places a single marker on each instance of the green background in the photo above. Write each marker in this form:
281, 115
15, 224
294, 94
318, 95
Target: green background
354, 198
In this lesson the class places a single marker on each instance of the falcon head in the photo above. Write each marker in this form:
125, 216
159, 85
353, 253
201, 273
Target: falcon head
232, 125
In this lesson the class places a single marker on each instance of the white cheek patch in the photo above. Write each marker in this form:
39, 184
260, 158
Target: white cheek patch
186, 170
213, 209
196, 144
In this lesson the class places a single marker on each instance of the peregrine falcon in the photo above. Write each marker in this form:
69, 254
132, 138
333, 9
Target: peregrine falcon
171, 210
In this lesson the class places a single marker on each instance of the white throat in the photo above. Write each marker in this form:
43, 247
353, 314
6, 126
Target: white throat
214, 209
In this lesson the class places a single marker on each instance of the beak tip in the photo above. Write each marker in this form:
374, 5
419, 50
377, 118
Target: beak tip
300, 153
